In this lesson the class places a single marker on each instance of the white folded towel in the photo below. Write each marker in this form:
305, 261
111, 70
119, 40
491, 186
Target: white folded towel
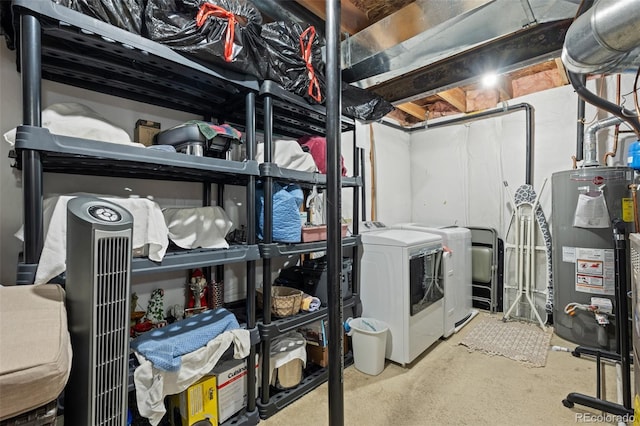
148, 228
80, 121
289, 154
199, 227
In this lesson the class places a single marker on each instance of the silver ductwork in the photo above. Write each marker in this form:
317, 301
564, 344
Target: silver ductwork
604, 39
426, 32
590, 142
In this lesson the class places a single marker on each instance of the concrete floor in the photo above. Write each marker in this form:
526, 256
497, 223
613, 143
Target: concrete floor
449, 385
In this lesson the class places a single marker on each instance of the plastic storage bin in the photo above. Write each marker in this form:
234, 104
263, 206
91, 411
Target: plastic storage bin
369, 339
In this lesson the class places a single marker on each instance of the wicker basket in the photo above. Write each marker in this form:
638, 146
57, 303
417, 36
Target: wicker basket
285, 301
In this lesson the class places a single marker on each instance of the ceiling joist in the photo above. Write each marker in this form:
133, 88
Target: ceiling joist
562, 71
352, 18
414, 110
456, 97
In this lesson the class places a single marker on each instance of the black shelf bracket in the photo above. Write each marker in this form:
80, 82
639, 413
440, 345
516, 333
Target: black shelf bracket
283, 325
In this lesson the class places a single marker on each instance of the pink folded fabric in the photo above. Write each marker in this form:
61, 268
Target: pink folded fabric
317, 149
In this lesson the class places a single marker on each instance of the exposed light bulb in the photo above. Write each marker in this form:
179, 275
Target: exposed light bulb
489, 79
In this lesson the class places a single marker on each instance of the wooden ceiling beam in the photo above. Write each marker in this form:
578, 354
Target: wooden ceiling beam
414, 110
353, 19
456, 97
505, 87
562, 71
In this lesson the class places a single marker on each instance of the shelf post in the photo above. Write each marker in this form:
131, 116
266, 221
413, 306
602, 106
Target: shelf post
31, 70
267, 235
334, 202
250, 147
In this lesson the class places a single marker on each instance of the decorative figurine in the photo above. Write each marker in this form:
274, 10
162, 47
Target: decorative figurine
197, 299
177, 311
155, 308
218, 294
197, 287
134, 302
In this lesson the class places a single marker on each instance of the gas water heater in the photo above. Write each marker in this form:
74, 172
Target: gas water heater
584, 203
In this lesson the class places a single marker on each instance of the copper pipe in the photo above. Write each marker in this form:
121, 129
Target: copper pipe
613, 152
574, 162
615, 146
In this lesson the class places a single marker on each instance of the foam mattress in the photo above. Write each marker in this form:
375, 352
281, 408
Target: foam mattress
35, 355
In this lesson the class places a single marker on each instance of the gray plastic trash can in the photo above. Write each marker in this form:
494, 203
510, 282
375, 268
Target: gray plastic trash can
369, 338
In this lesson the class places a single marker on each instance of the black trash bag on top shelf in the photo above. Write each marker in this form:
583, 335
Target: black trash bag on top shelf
126, 14
295, 59
221, 32
363, 105
295, 62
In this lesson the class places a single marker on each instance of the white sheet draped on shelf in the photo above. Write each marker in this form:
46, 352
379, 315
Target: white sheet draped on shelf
204, 227
148, 228
288, 154
80, 121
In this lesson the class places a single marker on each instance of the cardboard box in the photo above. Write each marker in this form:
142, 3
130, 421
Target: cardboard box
231, 383
315, 332
145, 131
198, 402
319, 355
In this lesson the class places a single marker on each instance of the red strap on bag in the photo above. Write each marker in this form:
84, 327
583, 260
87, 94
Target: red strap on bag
208, 9
314, 85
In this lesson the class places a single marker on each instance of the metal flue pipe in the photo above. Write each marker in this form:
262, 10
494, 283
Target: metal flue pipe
590, 142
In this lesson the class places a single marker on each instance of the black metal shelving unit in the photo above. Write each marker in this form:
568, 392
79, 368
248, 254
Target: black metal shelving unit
285, 114
62, 45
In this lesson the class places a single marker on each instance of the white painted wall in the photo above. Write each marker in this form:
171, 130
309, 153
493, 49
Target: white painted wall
457, 171
392, 173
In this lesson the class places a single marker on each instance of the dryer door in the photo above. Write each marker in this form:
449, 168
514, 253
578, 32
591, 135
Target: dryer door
425, 278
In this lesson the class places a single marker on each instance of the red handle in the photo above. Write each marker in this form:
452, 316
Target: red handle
208, 9
314, 85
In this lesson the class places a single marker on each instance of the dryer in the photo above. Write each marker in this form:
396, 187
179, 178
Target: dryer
456, 264
401, 285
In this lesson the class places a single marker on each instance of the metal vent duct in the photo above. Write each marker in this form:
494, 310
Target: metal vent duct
604, 39
430, 46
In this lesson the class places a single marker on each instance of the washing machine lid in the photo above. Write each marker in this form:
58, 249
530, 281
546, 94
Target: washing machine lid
399, 237
448, 233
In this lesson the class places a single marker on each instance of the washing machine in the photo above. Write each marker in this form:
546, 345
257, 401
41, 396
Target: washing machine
401, 285
456, 276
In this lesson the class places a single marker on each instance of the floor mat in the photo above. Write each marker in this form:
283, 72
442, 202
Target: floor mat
520, 341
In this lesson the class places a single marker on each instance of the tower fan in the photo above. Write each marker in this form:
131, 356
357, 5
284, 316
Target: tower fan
98, 281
